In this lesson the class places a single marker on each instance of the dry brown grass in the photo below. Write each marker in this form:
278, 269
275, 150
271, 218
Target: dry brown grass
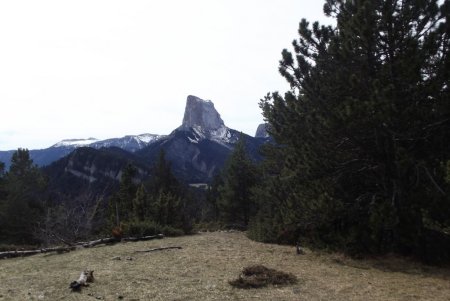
256, 276
205, 265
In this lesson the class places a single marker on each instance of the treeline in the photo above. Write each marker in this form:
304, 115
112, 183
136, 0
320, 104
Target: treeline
362, 155
160, 205
30, 214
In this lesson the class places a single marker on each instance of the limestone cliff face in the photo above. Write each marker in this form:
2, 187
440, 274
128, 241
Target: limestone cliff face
261, 131
201, 113
202, 118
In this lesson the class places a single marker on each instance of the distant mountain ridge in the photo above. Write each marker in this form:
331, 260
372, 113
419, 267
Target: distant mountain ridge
197, 150
75, 142
43, 157
130, 143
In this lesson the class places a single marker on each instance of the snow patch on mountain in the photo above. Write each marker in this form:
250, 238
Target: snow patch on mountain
130, 143
75, 142
147, 138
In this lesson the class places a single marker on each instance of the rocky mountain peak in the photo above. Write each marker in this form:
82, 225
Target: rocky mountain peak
261, 131
201, 114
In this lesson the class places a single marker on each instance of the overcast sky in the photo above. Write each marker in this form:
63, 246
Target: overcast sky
103, 69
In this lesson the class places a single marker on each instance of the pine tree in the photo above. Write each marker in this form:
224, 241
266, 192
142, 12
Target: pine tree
212, 197
121, 203
140, 204
25, 186
275, 216
2, 182
2, 199
163, 179
365, 127
167, 200
235, 194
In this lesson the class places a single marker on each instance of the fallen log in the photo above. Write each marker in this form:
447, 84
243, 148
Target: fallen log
143, 238
157, 249
114, 240
88, 244
99, 242
12, 254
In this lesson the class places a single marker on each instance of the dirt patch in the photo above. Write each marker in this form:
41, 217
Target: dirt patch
257, 276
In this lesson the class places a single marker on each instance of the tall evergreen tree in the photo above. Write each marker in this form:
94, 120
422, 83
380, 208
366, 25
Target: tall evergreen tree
121, 204
2, 199
235, 194
212, 197
2, 180
365, 127
23, 206
168, 202
140, 204
163, 179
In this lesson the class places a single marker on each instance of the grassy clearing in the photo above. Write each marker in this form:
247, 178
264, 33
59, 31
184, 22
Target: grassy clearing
203, 268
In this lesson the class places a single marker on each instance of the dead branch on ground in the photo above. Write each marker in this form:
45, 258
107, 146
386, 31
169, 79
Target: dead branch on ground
157, 249
88, 244
22, 253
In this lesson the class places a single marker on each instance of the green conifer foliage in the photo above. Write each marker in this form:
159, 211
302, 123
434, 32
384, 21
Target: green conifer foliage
364, 130
157, 205
141, 204
167, 200
24, 188
121, 204
2, 198
163, 178
239, 178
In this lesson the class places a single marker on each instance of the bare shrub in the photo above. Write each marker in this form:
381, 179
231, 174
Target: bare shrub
72, 222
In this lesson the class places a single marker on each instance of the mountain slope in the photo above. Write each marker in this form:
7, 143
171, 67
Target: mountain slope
43, 157
129, 143
92, 171
199, 148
